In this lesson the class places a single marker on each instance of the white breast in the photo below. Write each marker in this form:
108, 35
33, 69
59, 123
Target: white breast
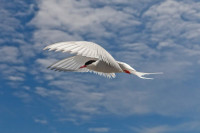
101, 66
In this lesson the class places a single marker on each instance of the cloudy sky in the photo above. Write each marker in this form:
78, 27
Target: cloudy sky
150, 35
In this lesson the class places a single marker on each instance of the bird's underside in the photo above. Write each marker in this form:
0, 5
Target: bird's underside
74, 63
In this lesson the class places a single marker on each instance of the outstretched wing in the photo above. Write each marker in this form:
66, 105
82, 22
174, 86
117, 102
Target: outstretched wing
107, 75
74, 63
71, 64
86, 49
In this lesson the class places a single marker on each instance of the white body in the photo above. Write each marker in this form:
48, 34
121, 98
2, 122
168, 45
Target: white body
101, 66
104, 64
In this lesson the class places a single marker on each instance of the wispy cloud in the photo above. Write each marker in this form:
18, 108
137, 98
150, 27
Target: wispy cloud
99, 129
14, 78
174, 20
26, 97
79, 19
11, 23
13, 38
41, 121
158, 129
10, 54
183, 127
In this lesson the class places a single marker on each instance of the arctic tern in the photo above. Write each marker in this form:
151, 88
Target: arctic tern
91, 57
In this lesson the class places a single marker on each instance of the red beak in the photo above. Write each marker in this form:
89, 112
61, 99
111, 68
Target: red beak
126, 71
83, 66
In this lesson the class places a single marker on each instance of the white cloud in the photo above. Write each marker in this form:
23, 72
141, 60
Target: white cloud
130, 102
10, 54
10, 23
14, 78
12, 38
79, 20
183, 127
46, 37
25, 96
119, 96
99, 129
174, 19
45, 62
41, 91
77, 95
158, 129
14, 74
41, 121
78, 16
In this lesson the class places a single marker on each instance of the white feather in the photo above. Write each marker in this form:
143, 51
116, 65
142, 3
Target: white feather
90, 49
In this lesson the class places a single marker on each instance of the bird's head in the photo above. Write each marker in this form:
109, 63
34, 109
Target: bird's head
128, 69
125, 67
88, 63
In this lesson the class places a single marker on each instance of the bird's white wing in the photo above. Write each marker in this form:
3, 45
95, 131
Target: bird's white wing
87, 49
107, 75
74, 63
71, 64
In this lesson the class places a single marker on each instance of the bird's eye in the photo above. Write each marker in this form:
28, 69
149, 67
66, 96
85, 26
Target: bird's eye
89, 62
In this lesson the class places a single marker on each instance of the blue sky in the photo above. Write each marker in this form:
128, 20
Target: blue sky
150, 35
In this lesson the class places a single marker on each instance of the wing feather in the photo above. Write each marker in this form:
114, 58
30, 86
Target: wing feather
81, 51
71, 64
107, 75
68, 49
87, 49
55, 47
75, 50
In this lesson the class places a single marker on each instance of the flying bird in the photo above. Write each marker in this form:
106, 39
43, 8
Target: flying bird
90, 57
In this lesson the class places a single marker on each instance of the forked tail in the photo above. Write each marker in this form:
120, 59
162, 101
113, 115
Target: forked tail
142, 74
